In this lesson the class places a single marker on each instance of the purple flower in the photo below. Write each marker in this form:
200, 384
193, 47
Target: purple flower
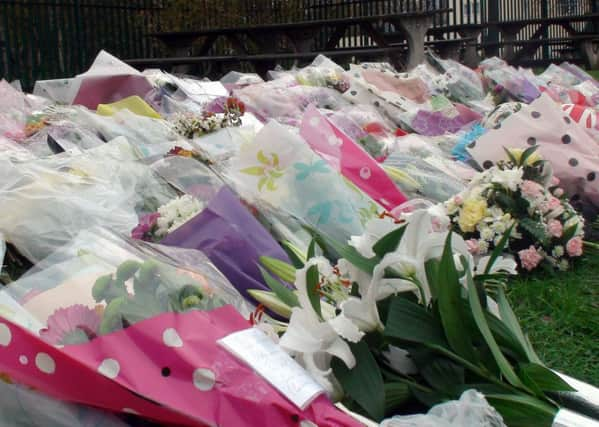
145, 226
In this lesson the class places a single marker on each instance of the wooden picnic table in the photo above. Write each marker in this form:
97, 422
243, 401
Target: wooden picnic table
510, 29
302, 35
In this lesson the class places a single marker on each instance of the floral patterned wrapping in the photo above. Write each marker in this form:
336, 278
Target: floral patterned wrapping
562, 141
280, 169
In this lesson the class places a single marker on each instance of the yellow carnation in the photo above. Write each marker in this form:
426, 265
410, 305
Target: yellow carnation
472, 212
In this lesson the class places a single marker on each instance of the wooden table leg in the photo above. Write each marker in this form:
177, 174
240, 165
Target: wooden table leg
508, 35
471, 56
590, 49
415, 28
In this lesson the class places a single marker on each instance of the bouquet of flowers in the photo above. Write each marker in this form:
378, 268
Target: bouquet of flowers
191, 126
404, 319
155, 226
521, 195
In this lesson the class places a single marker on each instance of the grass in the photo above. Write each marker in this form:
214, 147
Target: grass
560, 313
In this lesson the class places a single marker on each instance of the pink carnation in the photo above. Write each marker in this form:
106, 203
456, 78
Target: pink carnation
552, 204
554, 181
458, 200
555, 228
529, 258
531, 189
473, 246
574, 246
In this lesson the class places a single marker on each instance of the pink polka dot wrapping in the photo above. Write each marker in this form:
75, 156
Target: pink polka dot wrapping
168, 368
572, 152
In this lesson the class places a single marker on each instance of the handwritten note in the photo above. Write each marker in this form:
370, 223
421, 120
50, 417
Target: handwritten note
274, 365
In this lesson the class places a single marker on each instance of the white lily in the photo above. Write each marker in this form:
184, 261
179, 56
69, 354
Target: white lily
502, 264
375, 229
314, 340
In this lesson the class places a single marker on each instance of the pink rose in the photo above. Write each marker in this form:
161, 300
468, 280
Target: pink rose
574, 246
529, 258
473, 246
554, 181
458, 200
558, 192
555, 228
531, 189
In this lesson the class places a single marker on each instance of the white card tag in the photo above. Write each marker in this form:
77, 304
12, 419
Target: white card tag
274, 365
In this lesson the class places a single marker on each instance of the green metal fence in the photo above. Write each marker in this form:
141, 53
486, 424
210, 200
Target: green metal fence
54, 38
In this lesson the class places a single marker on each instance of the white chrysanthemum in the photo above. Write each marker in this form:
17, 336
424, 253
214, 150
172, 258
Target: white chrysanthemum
509, 178
483, 247
486, 233
558, 251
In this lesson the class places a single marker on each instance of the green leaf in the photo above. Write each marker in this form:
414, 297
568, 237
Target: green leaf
511, 322
262, 182
396, 394
536, 229
542, 378
453, 317
510, 156
480, 320
312, 279
522, 410
443, 374
345, 251
279, 268
499, 248
311, 249
363, 383
254, 170
282, 292
527, 153
412, 322
569, 233
295, 255
389, 242
431, 267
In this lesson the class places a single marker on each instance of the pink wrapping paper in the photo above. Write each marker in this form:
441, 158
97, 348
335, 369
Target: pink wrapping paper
351, 160
573, 154
168, 368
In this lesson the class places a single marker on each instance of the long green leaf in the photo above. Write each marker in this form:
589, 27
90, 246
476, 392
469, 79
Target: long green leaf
363, 383
311, 249
389, 242
522, 411
511, 322
410, 321
312, 277
443, 374
285, 294
543, 378
499, 248
279, 268
453, 316
480, 320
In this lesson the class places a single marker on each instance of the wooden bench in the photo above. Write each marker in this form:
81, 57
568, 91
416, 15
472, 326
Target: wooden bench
586, 44
263, 39
264, 62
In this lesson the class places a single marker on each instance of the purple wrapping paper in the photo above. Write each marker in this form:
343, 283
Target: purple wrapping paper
231, 238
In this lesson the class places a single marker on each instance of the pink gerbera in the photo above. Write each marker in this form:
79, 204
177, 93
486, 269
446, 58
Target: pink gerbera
71, 325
